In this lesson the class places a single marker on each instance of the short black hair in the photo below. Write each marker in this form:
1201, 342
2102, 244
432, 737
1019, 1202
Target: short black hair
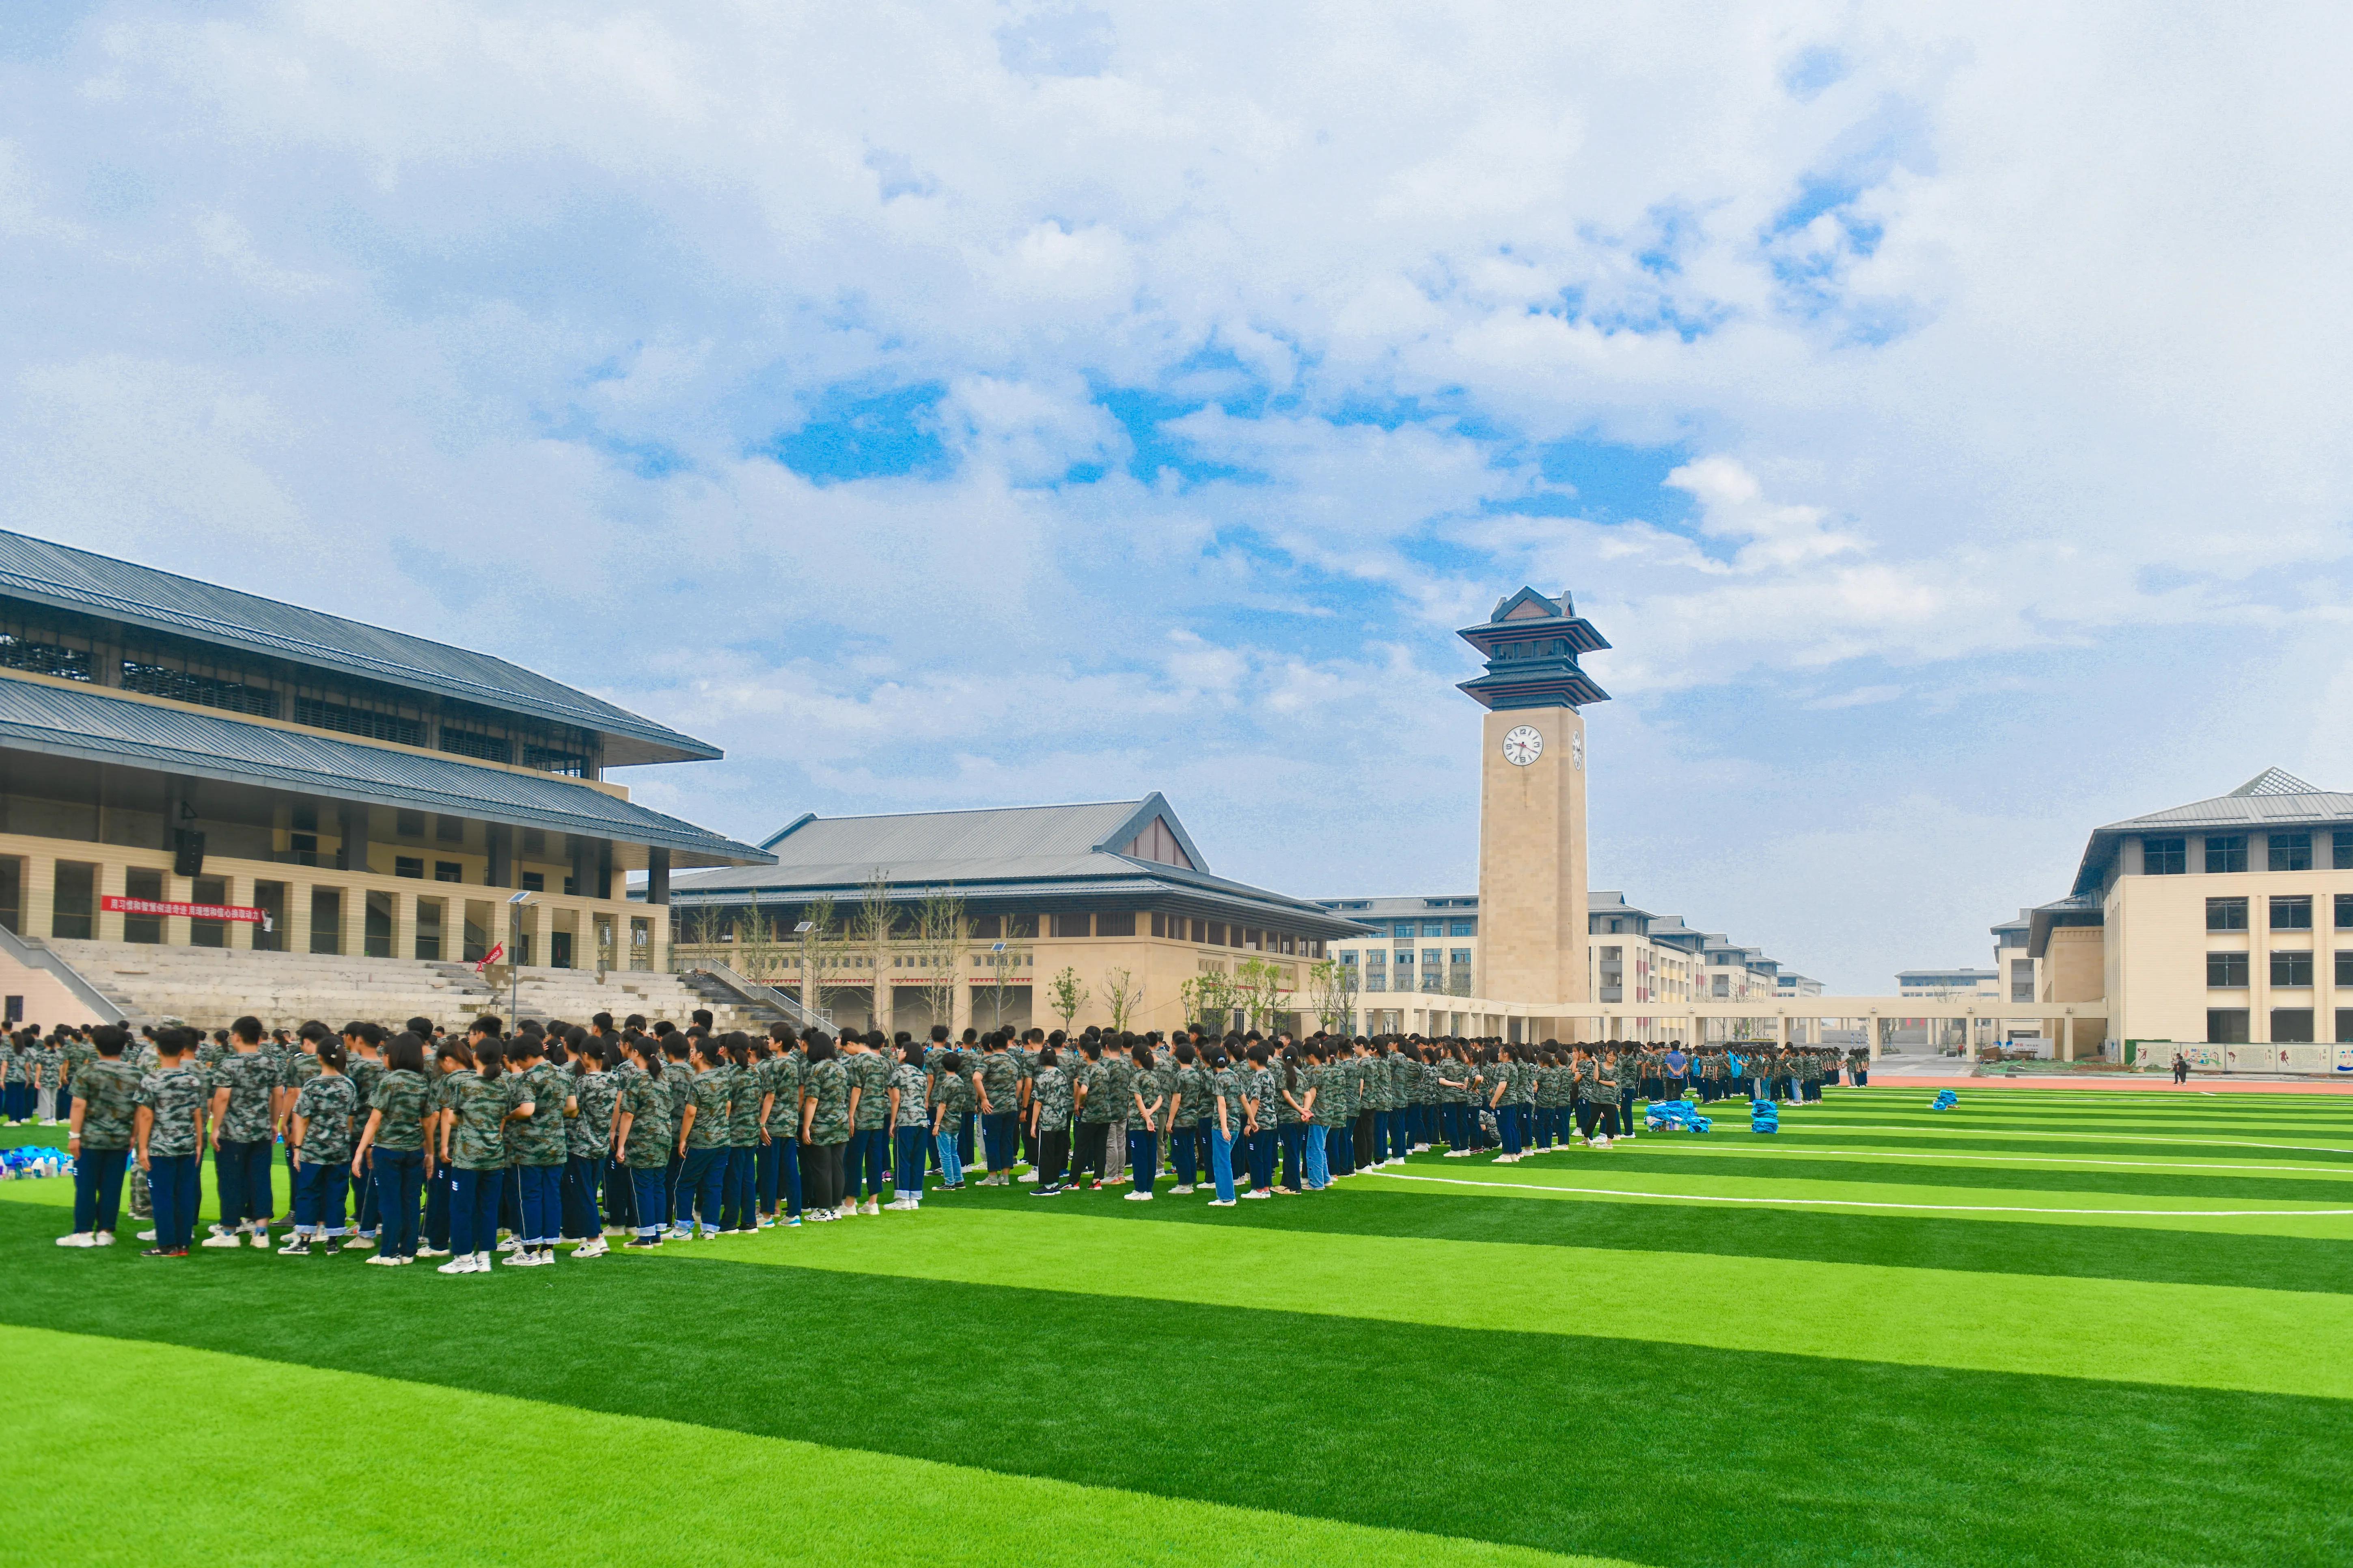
110, 1039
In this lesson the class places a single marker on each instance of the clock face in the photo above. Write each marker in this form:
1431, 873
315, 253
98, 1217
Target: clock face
1523, 745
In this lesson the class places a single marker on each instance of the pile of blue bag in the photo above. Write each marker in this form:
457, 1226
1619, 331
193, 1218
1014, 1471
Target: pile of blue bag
1945, 1099
1764, 1116
1680, 1115
24, 1164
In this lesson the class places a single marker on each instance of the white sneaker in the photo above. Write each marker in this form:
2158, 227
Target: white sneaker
227, 1238
1222, 1203
873, 1206
103, 1238
78, 1238
1257, 1193
359, 1243
146, 1235
1139, 1197
457, 1265
1180, 1192
1029, 1175
261, 1240
510, 1244
522, 1260
382, 1260
421, 1252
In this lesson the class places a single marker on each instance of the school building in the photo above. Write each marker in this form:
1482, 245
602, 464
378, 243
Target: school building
1105, 913
189, 774
2225, 925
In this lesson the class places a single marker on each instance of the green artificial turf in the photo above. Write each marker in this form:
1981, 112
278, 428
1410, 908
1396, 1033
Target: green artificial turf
1001, 1377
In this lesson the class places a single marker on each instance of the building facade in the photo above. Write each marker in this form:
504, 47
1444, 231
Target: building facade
186, 764
974, 919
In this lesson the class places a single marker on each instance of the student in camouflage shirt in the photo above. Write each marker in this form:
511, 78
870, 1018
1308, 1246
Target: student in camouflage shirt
473, 1146
642, 1137
168, 1133
997, 1087
825, 1130
951, 1097
911, 1127
739, 1196
104, 1108
318, 1129
1188, 1136
588, 1136
703, 1139
538, 1097
1050, 1119
779, 1173
869, 1119
397, 1145
363, 1065
245, 1092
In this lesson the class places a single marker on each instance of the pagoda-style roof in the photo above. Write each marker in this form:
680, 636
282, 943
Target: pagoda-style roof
1531, 644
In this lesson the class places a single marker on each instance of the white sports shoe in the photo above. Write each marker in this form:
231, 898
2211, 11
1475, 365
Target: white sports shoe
873, 1206
522, 1260
457, 1265
262, 1238
1029, 1175
1222, 1203
359, 1243
1139, 1197
227, 1238
386, 1261
103, 1238
1180, 1192
509, 1244
146, 1235
78, 1238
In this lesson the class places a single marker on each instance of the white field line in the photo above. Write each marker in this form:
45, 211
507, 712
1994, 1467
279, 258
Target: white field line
1956, 1129
1695, 1146
1866, 1203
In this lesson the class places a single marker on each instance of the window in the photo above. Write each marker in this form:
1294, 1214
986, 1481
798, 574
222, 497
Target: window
1347, 955
2340, 850
1463, 928
2344, 968
1721, 985
2164, 856
2224, 972
141, 883
1217, 937
2226, 914
1404, 930
2022, 980
481, 748
2292, 970
1159, 925
208, 933
2293, 914
450, 830
333, 716
375, 935
2288, 851
1405, 958
534, 882
326, 920
269, 936
2227, 854
44, 657
1070, 925
2345, 911
1116, 925
571, 764
73, 902
1233, 936
2226, 1025
202, 690
408, 824
1460, 957
408, 866
428, 929
2291, 1026
449, 871
2345, 1024
1433, 928
1021, 925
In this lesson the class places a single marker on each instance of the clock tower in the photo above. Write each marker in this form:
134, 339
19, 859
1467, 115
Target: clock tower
1532, 867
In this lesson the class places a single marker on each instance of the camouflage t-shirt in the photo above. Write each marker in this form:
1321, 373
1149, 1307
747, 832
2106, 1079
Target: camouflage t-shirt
909, 1080
1193, 1107
1225, 1084
651, 1138
477, 1137
327, 1101
871, 1071
366, 1074
76, 1060
828, 1084
174, 1096
785, 1074
537, 1139
1146, 1086
745, 1089
298, 1068
248, 1077
708, 1094
1000, 1076
109, 1092
1049, 1092
588, 1134
404, 1097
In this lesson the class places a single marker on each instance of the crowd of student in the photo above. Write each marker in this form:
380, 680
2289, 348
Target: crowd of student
421, 1143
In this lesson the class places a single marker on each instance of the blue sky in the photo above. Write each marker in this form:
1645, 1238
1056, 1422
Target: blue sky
1941, 414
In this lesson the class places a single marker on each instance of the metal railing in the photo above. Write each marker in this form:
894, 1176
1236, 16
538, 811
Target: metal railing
783, 1002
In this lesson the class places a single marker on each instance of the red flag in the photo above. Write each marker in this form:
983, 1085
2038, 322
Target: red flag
498, 950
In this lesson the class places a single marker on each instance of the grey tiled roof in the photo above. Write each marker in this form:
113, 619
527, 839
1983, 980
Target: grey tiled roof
91, 724
2270, 799
67, 578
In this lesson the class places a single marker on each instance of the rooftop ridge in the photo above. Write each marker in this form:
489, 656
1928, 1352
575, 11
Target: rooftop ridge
2275, 780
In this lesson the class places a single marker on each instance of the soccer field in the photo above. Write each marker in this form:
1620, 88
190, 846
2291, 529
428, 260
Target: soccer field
2047, 1326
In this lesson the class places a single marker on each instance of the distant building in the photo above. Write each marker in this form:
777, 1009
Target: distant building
1949, 985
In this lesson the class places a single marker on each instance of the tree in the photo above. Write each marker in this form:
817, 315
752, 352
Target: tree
755, 944
1259, 991
940, 929
1123, 993
1005, 968
871, 934
1209, 999
1332, 992
1066, 996
819, 937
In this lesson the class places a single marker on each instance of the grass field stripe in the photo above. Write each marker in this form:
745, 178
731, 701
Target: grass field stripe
1866, 1203
1961, 1128
2210, 1336
228, 1422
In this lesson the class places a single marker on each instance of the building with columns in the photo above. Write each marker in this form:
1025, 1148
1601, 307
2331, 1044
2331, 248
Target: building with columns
187, 765
967, 918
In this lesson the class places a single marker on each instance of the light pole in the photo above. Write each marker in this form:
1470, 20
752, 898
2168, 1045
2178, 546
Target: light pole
514, 955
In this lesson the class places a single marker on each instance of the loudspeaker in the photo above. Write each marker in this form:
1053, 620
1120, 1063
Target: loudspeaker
187, 852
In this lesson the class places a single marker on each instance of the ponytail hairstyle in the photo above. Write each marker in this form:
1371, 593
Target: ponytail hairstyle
331, 1054
1140, 1053
454, 1049
490, 1059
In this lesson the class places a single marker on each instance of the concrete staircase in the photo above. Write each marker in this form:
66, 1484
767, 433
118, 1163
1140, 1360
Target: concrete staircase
208, 986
